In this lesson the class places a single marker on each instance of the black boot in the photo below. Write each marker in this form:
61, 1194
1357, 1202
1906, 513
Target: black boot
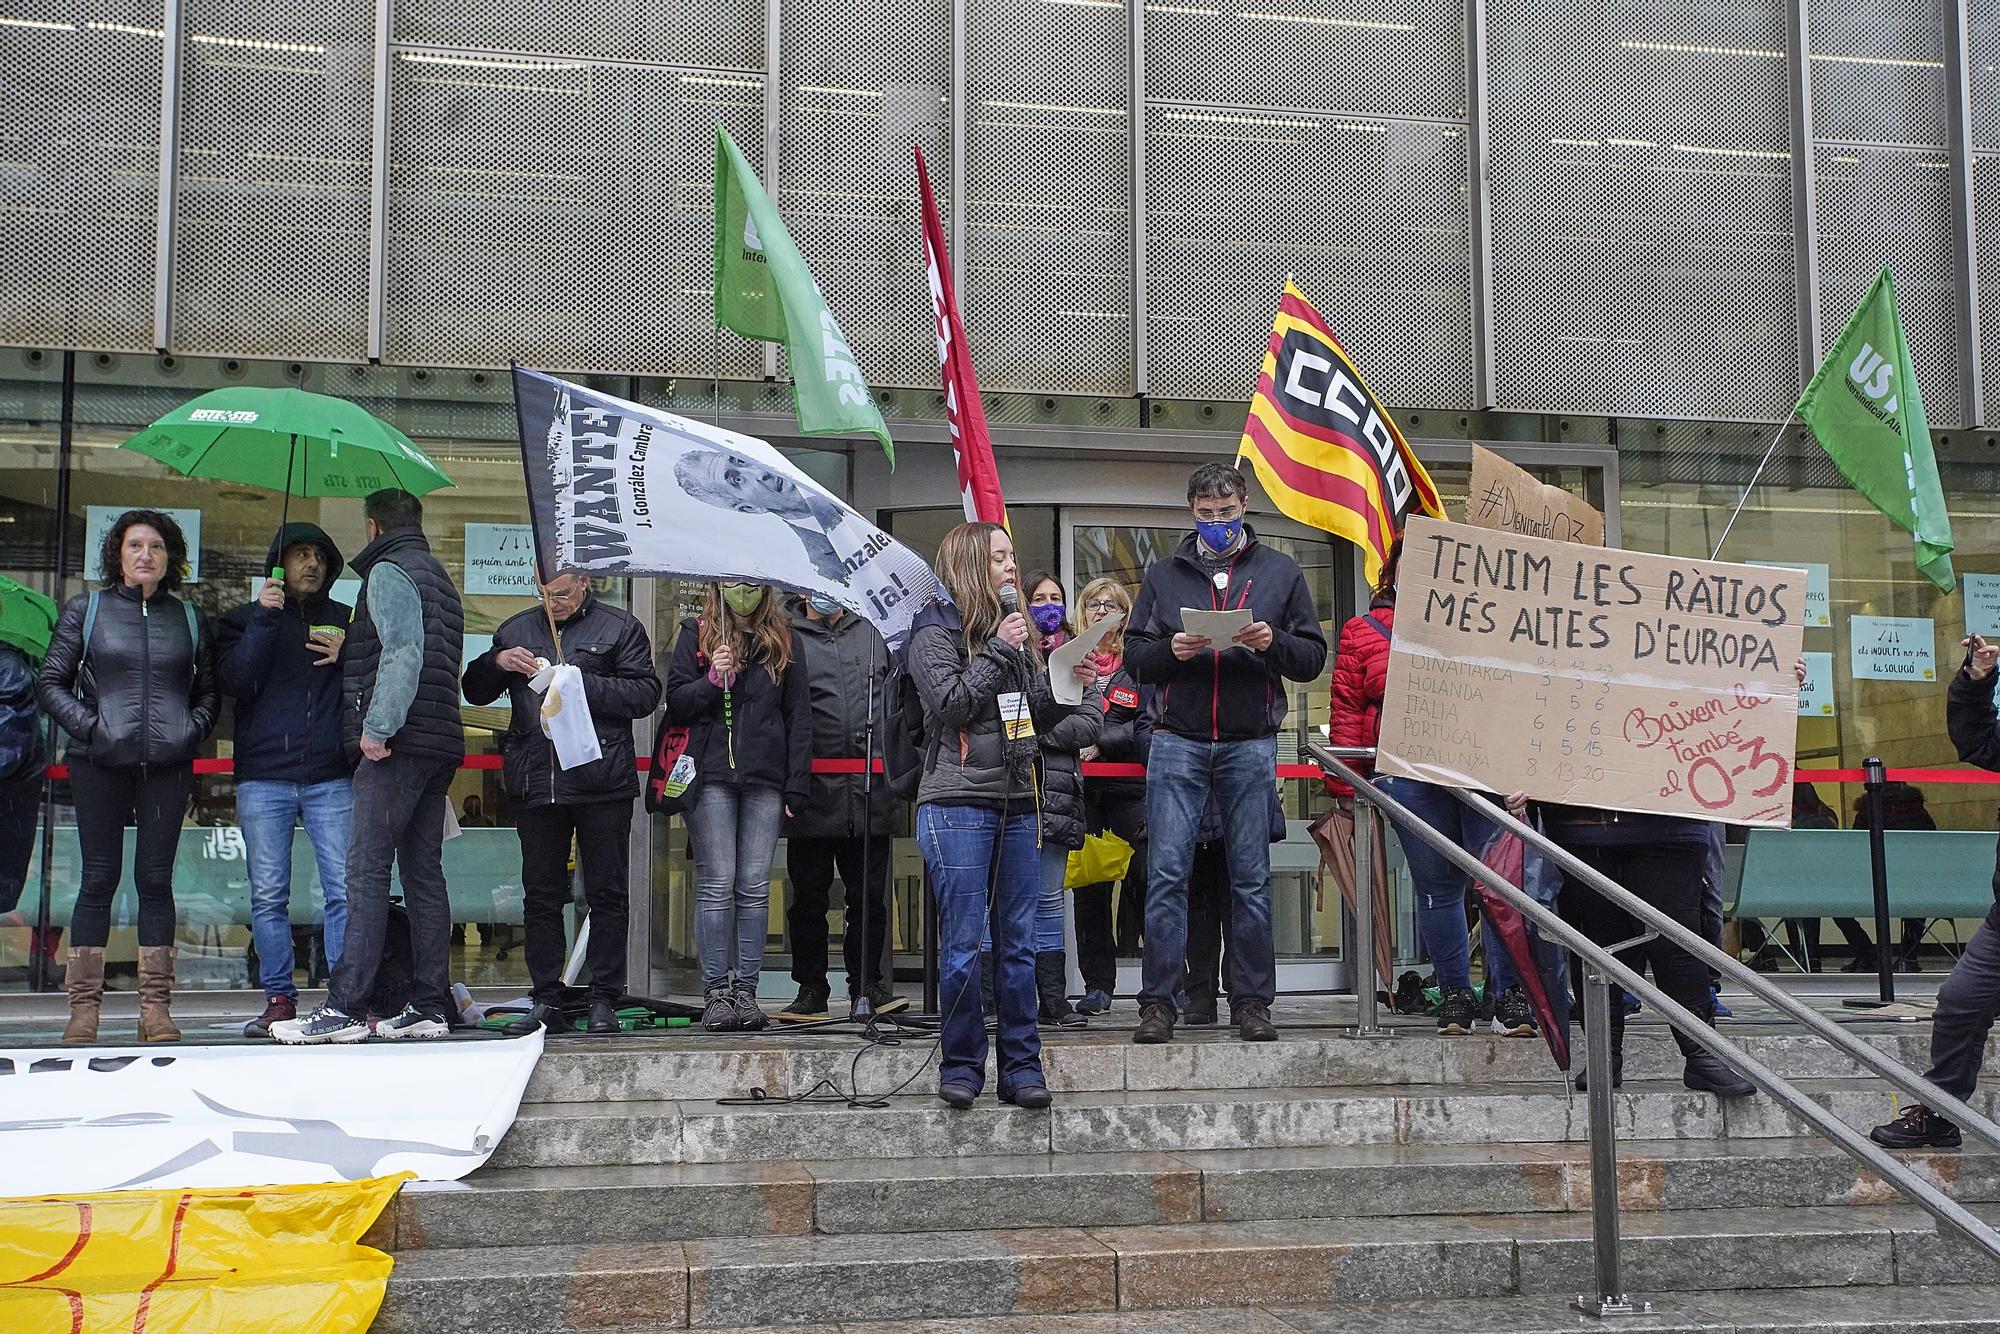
1051, 972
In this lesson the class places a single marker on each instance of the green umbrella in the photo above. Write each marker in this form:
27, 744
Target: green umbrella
27, 618
288, 440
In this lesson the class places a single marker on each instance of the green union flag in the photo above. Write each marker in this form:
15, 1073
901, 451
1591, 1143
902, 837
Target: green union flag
763, 290
1864, 409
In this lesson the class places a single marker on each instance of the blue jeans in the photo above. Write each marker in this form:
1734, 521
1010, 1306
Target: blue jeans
1181, 777
1441, 887
267, 809
958, 844
1048, 906
734, 832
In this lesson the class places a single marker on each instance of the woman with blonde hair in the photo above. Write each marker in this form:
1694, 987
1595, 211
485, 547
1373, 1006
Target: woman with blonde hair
1117, 805
736, 684
986, 697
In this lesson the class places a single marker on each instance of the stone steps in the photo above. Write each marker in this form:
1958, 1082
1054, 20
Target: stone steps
682, 1202
1048, 1271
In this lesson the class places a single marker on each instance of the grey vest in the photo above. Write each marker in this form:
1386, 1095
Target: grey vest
433, 728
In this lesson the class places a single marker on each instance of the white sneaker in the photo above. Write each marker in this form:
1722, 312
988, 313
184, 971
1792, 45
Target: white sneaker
411, 1023
324, 1024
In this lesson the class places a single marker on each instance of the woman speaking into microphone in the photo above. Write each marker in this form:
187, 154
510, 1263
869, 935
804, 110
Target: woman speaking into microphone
986, 697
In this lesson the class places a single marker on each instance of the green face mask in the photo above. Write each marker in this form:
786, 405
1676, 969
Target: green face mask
743, 598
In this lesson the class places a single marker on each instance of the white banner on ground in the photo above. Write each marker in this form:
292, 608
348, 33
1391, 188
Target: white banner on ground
122, 1118
618, 488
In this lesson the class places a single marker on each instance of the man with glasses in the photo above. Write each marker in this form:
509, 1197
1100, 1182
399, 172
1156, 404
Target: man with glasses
590, 804
1215, 737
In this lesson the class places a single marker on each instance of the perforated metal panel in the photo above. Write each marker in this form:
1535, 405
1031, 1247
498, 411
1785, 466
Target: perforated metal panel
1983, 71
1879, 207
1395, 57
1986, 223
718, 34
559, 212
79, 173
1878, 71
1047, 295
1642, 209
1239, 199
860, 86
272, 210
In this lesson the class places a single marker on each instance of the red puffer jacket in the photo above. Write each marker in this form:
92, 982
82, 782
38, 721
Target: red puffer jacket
1360, 668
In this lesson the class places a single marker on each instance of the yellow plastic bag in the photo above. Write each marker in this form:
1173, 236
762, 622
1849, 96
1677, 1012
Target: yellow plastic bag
252, 1260
1101, 859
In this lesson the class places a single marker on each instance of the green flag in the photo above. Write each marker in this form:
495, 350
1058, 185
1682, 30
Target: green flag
1864, 409
763, 290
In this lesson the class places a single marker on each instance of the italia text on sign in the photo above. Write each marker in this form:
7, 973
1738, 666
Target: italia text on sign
1593, 676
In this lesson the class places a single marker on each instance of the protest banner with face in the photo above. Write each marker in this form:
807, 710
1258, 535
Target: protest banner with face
1596, 677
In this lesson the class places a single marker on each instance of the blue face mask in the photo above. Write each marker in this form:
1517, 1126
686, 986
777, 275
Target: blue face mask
1048, 616
824, 605
1219, 536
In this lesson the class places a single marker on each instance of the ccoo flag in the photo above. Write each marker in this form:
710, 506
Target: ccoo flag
1326, 451
978, 478
1864, 410
764, 290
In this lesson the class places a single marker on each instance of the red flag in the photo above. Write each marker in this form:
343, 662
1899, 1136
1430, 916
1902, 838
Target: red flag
978, 479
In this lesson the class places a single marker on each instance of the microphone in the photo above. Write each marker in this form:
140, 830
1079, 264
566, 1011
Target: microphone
1010, 599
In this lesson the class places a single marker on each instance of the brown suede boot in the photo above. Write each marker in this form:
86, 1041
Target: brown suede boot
156, 989
85, 980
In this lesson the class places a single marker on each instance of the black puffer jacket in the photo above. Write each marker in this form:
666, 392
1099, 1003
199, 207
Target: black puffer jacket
770, 721
287, 705
432, 727
1064, 822
142, 694
846, 663
1127, 736
610, 648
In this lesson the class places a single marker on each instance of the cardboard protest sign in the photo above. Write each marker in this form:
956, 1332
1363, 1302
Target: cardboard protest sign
1503, 496
1603, 678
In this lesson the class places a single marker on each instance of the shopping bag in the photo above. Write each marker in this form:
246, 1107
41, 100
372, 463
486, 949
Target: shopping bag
1102, 859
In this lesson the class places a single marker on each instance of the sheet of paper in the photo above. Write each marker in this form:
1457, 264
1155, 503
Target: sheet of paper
1062, 662
1218, 627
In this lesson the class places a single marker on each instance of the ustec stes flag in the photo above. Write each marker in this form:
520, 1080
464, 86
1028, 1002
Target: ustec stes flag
978, 478
1327, 452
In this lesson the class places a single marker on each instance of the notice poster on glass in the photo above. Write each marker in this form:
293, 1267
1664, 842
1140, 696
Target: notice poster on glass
97, 521
1816, 695
1819, 600
500, 558
1594, 676
1892, 648
1982, 604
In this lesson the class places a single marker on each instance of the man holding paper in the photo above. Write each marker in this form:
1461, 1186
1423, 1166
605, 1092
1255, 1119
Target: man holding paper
1222, 701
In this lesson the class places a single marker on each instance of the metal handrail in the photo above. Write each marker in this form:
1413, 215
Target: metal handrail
1607, 967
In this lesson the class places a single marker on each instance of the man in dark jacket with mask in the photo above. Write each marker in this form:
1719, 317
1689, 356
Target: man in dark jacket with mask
846, 663
1216, 738
278, 657
399, 715
591, 803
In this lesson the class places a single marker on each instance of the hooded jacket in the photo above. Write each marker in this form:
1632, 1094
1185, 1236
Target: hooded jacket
141, 693
760, 735
287, 706
846, 664
1226, 693
609, 647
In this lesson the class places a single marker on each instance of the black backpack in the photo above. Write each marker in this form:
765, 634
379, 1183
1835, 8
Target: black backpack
904, 747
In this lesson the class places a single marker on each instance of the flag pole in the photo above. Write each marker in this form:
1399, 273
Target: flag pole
1751, 485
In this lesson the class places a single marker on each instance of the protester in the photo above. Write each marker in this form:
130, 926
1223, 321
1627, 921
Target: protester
1210, 930
1903, 807
278, 658
1063, 818
848, 820
400, 717
22, 757
1969, 1000
1360, 674
591, 804
1216, 737
985, 694
1113, 805
472, 811
737, 683
130, 675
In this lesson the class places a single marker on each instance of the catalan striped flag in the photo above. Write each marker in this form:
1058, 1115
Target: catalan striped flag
1326, 450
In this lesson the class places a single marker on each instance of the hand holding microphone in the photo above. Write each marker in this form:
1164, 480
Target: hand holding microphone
1013, 626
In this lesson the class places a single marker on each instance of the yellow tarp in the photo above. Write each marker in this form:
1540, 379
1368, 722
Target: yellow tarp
255, 1260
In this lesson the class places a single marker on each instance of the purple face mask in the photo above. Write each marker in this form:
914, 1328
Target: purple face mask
1048, 616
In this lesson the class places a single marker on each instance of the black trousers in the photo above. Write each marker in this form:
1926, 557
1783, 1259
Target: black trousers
810, 864
1666, 875
602, 830
1209, 924
108, 798
1097, 938
399, 807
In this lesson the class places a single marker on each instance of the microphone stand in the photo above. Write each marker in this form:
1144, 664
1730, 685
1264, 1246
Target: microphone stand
863, 1009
